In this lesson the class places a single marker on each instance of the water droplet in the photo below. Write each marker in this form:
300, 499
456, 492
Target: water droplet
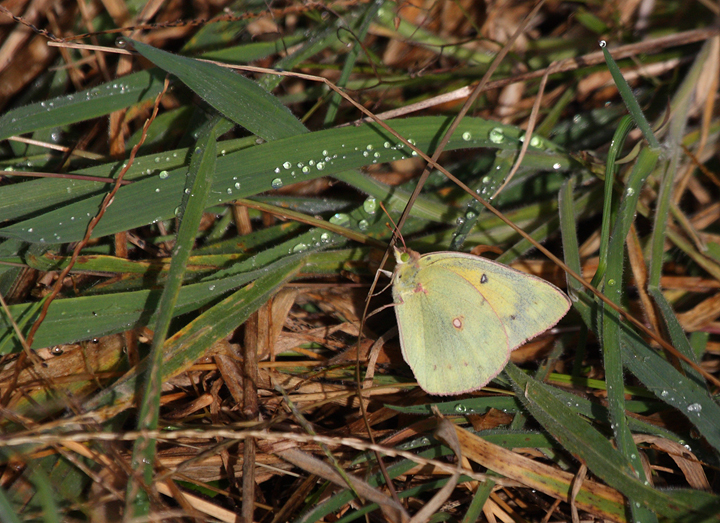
460, 408
277, 170
611, 283
387, 145
363, 225
602, 43
163, 175
536, 141
287, 165
370, 205
467, 136
324, 237
496, 135
630, 191
556, 166
211, 287
177, 211
324, 153
320, 166
694, 407
370, 147
228, 190
300, 247
276, 183
470, 215
340, 219
306, 169
663, 394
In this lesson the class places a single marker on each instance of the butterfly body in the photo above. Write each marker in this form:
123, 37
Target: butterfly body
459, 316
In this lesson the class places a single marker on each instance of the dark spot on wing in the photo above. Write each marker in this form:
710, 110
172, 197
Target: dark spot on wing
484, 278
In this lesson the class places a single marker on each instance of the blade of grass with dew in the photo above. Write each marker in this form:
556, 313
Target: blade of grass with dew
672, 387
265, 167
198, 183
610, 327
587, 444
73, 319
86, 105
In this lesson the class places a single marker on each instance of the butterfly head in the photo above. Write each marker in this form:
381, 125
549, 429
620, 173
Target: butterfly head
404, 255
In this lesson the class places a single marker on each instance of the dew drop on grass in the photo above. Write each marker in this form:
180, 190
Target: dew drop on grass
496, 135
370, 205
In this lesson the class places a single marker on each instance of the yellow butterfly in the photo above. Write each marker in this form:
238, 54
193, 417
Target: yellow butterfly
460, 316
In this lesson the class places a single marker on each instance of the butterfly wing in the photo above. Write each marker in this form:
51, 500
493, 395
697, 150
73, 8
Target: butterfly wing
525, 304
449, 334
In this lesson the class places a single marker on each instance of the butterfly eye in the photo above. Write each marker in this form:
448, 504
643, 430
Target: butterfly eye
404, 257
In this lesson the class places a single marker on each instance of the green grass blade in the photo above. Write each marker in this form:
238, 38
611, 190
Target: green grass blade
671, 387
231, 94
610, 325
79, 107
198, 183
630, 102
8, 513
618, 141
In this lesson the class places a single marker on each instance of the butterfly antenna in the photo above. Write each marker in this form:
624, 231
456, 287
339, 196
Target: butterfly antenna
394, 227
